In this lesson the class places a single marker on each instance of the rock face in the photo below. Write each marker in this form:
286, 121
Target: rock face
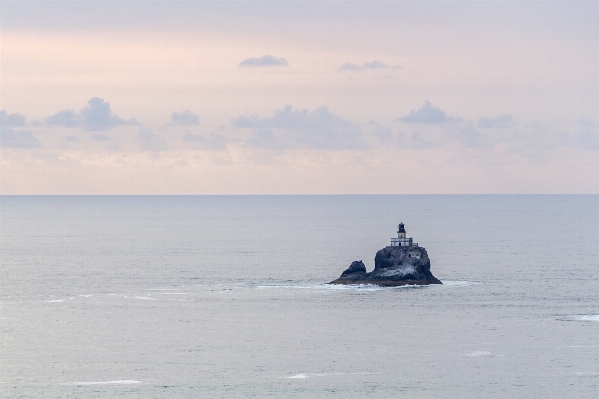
393, 266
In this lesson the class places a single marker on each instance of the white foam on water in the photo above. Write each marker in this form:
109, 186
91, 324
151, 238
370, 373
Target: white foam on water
452, 283
368, 287
589, 373
581, 317
261, 287
308, 375
478, 353
121, 382
182, 300
144, 297
55, 300
359, 287
342, 287
172, 293
352, 287
297, 376
86, 296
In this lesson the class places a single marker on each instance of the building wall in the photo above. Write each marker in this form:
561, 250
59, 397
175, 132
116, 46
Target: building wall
405, 242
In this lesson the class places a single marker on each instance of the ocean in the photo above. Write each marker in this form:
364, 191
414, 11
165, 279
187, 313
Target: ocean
226, 297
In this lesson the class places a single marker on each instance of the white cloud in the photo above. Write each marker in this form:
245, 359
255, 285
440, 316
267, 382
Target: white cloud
95, 116
469, 137
414, 141
12, 138
350, 67
264, 61
376, 64
100, 137
502, 121
588, 139
185, 118
427, 114
400, 139
11, 120
292, 128
215, 141
149, 141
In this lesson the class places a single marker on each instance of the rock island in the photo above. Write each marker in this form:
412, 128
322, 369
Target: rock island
401, 263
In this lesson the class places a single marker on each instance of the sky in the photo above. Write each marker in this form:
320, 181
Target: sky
305, 97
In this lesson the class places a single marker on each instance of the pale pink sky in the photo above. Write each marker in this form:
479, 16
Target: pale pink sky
299, 97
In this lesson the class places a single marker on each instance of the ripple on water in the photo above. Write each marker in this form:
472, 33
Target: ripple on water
120, 382
581, 317
478, 353
451, 283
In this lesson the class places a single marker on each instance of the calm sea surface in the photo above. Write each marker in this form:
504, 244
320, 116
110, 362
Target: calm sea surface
225, 297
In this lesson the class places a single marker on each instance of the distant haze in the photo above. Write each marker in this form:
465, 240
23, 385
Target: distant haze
263, 97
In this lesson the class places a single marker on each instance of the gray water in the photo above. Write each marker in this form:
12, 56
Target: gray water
225, 297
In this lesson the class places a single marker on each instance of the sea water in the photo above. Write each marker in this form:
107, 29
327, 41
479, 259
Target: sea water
226, 297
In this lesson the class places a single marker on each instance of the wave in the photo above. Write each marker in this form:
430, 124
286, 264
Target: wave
172, 293
308, 375
478, 353
581, 317
459, 283
297, 376
122, 382
341, 287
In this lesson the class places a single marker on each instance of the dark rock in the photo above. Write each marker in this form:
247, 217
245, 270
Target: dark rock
356, 267
393, 266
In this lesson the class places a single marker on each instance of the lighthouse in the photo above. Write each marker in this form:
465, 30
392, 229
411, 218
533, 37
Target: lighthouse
402, 240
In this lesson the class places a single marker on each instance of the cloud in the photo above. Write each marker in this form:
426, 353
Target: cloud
264, 61
11, 120
376, 64
469, 137
267, 138
66, 117
150, 142
11, 138
502, 121
582, 122
95, 116
292, 128
350, 67
100, 137
185, 118
193, 138
402, 140
426, 114
415, 141
387, 77
588, 139
216, 141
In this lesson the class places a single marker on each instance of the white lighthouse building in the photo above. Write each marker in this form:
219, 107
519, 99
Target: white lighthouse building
402, 240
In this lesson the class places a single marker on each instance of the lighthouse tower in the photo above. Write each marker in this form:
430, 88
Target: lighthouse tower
401, 240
